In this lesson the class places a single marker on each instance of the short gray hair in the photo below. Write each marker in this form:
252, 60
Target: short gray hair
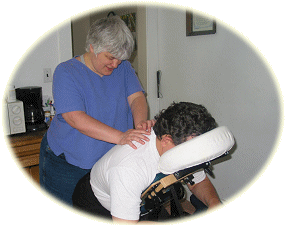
112, 35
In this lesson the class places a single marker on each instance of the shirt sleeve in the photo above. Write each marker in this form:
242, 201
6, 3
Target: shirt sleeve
125, 192
132, 82
66, 93
199, 176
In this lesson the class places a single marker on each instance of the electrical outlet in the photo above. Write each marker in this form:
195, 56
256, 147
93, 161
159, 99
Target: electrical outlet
47, 75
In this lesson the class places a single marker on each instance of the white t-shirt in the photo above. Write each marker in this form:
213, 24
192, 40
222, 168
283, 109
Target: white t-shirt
122, 174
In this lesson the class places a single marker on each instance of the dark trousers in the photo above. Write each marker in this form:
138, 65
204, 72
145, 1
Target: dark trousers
200, 206
83, 198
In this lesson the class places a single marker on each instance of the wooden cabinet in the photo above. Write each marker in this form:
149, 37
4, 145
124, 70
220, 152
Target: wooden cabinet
26, 148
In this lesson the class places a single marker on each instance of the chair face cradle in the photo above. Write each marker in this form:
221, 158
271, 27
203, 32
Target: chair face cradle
167, 188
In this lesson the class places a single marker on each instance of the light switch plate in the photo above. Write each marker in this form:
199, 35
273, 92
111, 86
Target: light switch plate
47, 75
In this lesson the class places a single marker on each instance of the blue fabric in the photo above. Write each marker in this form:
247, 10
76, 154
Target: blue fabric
58, 177
199, 206
77, 88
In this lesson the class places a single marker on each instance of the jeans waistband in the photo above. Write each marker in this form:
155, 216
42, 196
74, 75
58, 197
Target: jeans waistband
48, 149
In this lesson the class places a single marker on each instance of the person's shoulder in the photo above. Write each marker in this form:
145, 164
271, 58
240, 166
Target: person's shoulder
118, 154
125, 65
69, 62
125, 154
68, 68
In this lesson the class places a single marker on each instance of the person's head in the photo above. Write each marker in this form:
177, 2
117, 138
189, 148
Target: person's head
183, 121
110, 35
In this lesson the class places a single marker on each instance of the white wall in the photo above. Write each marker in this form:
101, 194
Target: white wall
231, 79
47, 52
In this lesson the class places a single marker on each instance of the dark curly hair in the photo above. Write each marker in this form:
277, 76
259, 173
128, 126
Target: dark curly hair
183, 119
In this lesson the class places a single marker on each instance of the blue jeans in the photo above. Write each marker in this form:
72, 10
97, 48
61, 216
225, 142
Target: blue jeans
57, 176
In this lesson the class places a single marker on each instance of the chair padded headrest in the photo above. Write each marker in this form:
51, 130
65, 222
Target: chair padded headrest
200, 149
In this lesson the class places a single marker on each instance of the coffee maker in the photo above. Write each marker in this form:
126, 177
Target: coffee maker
34, 113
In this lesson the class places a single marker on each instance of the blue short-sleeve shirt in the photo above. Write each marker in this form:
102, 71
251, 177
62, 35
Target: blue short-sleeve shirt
77, 88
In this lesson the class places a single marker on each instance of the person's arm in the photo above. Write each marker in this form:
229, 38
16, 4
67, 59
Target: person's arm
93, 128
117, 220
206, 193
138, 104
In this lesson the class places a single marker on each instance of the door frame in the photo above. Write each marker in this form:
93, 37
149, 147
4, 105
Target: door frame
152, 54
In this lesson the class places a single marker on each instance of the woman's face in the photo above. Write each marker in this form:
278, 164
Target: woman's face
103, 63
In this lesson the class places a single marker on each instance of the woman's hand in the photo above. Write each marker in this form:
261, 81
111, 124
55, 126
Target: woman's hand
134, 135
100, 131
145, 125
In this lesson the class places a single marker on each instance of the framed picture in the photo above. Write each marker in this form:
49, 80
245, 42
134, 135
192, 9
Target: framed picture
199, 25
130, 21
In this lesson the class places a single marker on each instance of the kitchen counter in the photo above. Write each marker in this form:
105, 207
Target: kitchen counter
26, 148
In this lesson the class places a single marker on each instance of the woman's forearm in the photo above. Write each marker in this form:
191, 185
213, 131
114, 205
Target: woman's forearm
138, 106
91, 127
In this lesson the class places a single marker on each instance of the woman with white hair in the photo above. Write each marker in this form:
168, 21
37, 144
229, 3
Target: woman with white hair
98, 101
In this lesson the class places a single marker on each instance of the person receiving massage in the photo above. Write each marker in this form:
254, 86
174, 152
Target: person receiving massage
116, 182
98, 101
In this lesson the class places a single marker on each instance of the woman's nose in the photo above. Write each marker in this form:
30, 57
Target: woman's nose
116, 63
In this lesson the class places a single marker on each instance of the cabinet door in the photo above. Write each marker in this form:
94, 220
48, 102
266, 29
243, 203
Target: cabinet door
34, 172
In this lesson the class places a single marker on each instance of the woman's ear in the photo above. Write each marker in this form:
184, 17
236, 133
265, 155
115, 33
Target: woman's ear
91, 49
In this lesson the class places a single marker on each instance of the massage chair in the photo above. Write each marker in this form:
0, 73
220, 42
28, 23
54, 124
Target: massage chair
177, 167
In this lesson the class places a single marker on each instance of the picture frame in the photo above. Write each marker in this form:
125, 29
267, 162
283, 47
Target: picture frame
199, 25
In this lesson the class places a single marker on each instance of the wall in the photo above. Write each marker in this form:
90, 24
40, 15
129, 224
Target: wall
141, 52
228, 76
80, 26
47, 52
